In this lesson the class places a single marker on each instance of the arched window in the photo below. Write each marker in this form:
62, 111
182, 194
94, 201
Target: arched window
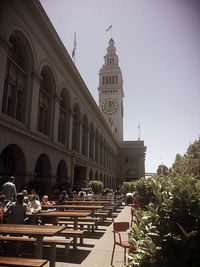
19, 65
76, 128
45, 101
85, 136
63, 118
97, 145
91, 145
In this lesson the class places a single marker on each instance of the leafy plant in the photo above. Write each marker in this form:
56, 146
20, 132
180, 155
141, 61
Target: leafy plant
97, 186
167, 230
189, 163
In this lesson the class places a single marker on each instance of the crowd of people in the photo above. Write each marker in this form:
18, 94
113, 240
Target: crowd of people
14, 205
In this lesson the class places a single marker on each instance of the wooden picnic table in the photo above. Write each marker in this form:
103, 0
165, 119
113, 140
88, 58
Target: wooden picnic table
56, 214
74, 207
36, 231
86, 201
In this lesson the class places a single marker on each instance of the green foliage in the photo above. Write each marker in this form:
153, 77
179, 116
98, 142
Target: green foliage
167, 230
97, 186
128, 187
190, 162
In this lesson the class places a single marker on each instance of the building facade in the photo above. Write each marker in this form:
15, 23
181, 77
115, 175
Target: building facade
51, 130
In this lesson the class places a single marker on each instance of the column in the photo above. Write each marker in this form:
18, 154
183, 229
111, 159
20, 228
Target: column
34, 101
3, 64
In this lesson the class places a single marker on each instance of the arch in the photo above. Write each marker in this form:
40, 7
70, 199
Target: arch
76, 128
42, 179
85, 135
64, 117
45, 105
91, 174
12, 162
62, 176
18, 77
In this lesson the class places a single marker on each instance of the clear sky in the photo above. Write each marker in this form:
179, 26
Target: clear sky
158, 44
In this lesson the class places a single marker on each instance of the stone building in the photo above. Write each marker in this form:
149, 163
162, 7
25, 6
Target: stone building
51, 130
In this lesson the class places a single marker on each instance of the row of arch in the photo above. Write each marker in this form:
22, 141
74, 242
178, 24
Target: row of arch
14, 162
73, 129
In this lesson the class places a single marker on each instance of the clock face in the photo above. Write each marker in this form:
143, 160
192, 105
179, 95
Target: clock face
109, 106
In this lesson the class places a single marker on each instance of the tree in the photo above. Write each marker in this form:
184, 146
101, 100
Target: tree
97, 186
189, 163
162, 170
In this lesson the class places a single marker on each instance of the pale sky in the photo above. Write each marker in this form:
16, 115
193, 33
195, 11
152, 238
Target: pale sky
158, 44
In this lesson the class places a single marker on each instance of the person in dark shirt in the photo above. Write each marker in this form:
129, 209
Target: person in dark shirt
9, 189
62, 198
16, 212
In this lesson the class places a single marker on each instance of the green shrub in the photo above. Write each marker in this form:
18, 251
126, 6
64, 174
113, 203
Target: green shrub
97, 186
167, 232
128, 187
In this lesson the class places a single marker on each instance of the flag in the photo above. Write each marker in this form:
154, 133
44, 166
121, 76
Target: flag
109, 28
74, 49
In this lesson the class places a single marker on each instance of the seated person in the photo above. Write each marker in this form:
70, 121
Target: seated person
90, 193
2, 205
16, 212
82, 193
45, 200
63, 197
129, 198
34, 205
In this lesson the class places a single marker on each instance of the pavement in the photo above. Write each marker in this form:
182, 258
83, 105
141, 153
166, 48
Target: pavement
97, 248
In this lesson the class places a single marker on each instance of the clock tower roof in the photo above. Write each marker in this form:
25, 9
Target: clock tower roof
111, 50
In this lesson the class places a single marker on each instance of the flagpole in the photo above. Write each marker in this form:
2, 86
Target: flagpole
139, 132
74, 49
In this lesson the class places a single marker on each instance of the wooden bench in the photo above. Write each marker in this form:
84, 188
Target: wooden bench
13, 261
90, 225
102, 214
74, 234
52, 242
96, 220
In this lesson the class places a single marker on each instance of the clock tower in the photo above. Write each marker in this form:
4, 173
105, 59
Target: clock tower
111, 91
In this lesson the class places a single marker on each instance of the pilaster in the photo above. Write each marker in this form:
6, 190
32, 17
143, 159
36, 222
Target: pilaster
34, 101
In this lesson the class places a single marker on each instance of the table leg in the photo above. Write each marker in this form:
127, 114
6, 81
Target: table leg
53, 255
75, 228
39, 246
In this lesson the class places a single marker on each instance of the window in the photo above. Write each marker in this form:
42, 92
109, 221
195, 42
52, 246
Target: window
15, 90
